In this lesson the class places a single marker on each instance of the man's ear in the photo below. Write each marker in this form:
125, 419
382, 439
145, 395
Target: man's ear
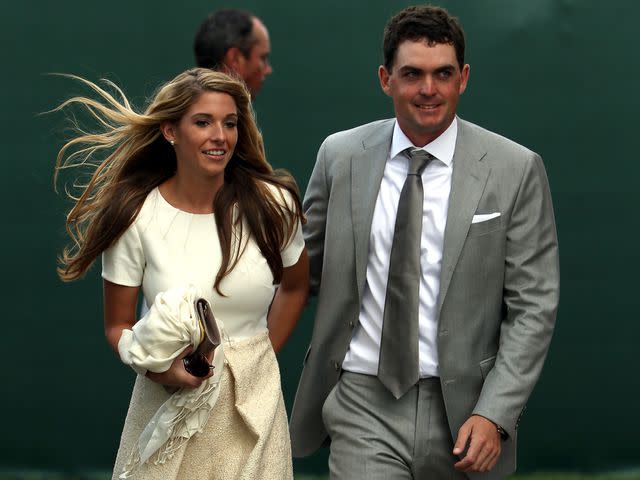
168, 131
234, 59
383, 76
464, 78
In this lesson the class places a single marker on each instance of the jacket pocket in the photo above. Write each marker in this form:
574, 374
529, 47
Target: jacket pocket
486, 365
482, 228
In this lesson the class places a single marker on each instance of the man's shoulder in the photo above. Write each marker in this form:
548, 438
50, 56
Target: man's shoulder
492, 141
357, 136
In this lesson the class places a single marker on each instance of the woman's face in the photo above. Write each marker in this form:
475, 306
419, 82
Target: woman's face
206, 135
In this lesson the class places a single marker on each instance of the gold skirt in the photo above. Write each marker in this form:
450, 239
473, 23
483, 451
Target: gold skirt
246, 436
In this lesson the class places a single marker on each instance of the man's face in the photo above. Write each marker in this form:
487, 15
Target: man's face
254, 68
425, 84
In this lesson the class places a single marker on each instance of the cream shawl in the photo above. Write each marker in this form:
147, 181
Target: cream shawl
170, 326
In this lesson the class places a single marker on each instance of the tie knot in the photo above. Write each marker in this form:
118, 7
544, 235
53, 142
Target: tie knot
418, 160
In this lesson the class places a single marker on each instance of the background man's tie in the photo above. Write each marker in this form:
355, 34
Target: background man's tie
398, 368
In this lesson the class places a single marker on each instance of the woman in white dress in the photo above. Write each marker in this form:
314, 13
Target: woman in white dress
184, 196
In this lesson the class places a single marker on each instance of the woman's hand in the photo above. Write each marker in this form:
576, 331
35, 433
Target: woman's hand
177, 376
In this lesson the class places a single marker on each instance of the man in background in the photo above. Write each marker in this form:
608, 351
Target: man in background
237, 42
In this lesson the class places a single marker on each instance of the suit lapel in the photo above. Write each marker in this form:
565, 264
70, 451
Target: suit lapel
367, 168
467, 185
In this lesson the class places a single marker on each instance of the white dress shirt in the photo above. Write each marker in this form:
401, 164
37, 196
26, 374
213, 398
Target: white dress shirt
364, 349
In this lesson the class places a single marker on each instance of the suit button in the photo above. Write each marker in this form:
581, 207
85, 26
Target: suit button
351, 324
337, 366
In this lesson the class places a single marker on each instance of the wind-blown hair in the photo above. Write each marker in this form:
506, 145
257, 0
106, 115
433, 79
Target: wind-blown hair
137, 158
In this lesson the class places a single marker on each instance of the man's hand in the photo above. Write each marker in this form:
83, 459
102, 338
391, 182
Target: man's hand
484, 445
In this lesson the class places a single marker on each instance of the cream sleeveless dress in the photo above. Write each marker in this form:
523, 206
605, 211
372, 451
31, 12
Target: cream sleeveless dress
246, 436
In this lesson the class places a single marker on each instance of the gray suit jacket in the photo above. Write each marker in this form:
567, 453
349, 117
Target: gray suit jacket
498, 283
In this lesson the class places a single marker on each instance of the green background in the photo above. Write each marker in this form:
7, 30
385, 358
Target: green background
558, 76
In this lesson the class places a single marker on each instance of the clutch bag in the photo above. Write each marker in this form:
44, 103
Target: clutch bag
197, 362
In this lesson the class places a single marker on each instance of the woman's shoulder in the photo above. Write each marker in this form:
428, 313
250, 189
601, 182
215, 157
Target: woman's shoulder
151, 205
281, 194
154, 208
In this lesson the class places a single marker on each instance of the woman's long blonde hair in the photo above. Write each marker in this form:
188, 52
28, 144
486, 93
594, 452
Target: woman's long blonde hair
137, 159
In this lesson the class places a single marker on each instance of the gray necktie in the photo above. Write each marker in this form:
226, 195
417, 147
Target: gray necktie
398, 366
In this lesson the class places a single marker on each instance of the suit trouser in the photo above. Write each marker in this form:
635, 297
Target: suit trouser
375, 437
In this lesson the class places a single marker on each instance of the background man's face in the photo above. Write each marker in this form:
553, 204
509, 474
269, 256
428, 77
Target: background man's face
425, 84
254, 68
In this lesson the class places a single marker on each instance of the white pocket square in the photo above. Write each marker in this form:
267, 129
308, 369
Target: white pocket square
483, 217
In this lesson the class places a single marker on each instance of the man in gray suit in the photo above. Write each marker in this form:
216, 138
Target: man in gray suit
424, 351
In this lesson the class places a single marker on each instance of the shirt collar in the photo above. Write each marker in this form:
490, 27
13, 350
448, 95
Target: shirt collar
442, 147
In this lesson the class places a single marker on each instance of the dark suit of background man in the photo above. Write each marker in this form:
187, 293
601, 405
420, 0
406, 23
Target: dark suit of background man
235, 41
488, 278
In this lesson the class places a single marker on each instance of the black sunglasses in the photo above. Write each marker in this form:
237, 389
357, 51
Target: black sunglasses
197, 365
